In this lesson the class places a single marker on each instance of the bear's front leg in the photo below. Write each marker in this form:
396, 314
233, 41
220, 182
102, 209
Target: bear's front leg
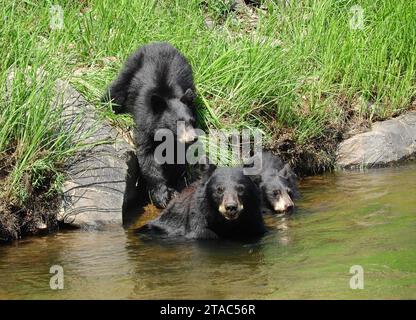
161, 195
157, 186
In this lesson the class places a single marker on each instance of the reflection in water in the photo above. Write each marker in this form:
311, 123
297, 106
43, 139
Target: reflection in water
342, 219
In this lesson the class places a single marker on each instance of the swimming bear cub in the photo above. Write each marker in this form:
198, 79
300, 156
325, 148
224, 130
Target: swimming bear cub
156, 86
277, 183
224, 203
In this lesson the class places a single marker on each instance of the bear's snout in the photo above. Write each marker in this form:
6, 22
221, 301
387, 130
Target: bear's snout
230, 207
283, 204
186, 133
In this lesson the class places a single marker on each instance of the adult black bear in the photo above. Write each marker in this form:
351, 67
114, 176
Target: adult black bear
278, 186
156, 87
224, 203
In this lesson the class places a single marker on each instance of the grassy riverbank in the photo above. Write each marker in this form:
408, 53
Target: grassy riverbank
304, 73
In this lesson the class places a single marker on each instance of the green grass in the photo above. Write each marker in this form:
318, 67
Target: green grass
300, 71
297, 72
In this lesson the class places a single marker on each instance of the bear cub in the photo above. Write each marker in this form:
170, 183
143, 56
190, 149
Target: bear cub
156, 86
224, 203
277, 183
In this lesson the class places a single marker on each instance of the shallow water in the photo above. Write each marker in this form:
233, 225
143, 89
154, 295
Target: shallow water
343, 219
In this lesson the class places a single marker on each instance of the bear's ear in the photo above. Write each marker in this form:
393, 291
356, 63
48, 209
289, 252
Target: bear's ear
208, 169
205, 167
158, 103
188, 97
286, 172
256, 178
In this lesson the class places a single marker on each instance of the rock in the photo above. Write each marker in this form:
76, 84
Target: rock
209, 23
102, 176
388, 142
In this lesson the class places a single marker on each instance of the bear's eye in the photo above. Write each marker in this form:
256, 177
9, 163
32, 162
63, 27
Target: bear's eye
276, 192
240, 188
220, 190
289, 191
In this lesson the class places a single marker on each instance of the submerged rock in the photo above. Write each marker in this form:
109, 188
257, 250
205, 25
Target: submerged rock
388, 142
101, 178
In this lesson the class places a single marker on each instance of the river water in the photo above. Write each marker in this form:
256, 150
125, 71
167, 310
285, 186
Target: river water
343, 220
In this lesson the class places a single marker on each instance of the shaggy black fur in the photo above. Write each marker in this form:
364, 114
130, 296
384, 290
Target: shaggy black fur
224, 204
278, 184
156, 87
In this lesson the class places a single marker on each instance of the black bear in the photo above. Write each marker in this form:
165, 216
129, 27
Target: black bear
156, 87
277, 183
224, 203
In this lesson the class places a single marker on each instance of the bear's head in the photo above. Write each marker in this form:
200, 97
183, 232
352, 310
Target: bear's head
279, 189
231, 193
176, 115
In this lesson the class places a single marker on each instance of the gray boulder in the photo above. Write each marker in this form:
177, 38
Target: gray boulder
388, 142
101, 178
